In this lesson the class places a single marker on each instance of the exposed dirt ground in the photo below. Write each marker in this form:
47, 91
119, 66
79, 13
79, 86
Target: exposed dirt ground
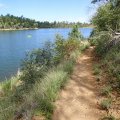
79, 99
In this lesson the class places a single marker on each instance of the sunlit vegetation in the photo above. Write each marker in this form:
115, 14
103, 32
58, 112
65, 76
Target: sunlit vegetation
106, 38
44, 72
14, 22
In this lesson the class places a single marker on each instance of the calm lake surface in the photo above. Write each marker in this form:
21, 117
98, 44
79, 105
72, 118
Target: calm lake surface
15, 44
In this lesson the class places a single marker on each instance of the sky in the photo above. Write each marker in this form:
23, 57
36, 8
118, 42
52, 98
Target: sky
50, 10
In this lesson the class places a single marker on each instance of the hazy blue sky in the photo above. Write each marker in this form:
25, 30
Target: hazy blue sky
49, 10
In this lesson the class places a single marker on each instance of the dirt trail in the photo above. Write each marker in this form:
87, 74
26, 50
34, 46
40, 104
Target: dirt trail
79, 99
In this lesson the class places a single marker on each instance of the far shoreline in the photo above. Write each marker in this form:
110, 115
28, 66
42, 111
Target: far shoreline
18, 29
39, 28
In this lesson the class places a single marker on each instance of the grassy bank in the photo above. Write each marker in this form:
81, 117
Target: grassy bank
37, 100
18, 29
44, 72
17, 102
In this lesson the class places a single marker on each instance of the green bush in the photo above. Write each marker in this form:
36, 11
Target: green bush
9, 85
106, 90
59, 48
96, 69
106, 104
68, 66
71, 45
107, 18
75, 34
35, 65
65, 47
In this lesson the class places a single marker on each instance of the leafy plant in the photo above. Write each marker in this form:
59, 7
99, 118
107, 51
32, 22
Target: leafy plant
96, 70
106, 104
106, 90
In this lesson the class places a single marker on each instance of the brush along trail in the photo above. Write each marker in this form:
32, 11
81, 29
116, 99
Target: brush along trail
79, 99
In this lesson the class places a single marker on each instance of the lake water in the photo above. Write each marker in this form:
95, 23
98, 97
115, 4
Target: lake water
14, 45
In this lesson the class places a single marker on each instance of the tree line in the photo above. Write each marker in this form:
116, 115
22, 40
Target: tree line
14, 22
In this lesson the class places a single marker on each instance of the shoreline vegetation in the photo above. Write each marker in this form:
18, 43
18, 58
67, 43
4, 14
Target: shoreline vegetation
38, 28
10, 22
11, 29
44, 72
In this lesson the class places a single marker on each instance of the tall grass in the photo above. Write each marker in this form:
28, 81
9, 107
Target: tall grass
38, 92
9, 85
43, 94
40, 98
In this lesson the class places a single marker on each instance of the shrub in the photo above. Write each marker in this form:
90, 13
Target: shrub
9, 85
64, 47
71, 45
106, 90
106, 104
59, 48
35, 65
93, 41
96, 70
68, 66
75, 34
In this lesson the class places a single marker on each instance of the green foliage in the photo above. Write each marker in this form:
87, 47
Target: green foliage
112, 63
94, 36
69, 66
109, 57
84, 45
70, 46
97, 70
59, 48
109, 117
7, 106
107, 22
115, 3
101, 39
64, 47
41, 78
9, 85
106, 104
45, 92
13, 22
63, 24
75, 33
36, 64
106, 90
107, 18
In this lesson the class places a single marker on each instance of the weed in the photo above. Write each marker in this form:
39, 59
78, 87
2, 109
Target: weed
106, 90
97, 70
106, 104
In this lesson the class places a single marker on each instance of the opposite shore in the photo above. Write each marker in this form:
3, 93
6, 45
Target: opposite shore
12, 29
